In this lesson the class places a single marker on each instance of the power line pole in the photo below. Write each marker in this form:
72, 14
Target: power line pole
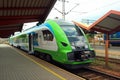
63, 9
88, 21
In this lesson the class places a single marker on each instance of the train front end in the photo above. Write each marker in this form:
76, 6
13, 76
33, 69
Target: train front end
81, 52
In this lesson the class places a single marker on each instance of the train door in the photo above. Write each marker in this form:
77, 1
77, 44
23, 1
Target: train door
30, 37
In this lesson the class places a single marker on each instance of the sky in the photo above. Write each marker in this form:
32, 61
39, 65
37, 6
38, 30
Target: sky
91, 9
85, 9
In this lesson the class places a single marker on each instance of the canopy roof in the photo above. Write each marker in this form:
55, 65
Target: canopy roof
13, 13
108, 24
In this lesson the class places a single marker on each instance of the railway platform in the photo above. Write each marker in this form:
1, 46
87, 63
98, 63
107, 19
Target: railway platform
114, 52
16, 65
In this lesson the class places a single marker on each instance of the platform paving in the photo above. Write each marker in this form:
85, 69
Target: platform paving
14, 66
18, 65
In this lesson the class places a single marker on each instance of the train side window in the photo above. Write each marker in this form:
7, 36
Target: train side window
48, 36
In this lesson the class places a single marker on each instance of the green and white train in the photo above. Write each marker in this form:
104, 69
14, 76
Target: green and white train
57, 40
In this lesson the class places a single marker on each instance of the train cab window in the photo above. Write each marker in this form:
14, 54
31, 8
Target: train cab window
48, 36
71, 30
74, 34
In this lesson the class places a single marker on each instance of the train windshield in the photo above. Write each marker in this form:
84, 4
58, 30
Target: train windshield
75, 36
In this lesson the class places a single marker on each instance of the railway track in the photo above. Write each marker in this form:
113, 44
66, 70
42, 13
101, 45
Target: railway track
112, 60
92, 74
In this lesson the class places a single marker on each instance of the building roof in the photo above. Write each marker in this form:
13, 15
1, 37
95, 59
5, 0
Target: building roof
13, 13
109, 23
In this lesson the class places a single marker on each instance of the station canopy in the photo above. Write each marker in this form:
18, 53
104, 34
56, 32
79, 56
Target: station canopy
108, 24
14, 13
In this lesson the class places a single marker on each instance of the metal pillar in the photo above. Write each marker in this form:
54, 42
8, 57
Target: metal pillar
106, 49
63, 9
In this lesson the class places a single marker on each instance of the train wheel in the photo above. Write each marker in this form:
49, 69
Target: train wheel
48, 58
36, 53
42, 56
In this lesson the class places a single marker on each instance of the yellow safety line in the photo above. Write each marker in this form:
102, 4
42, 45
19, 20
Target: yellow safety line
42, 66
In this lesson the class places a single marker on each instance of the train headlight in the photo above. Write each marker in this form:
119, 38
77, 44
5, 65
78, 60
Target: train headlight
90, 54
87, 52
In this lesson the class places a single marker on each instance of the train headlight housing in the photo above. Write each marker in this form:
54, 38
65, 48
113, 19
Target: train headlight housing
64, 44
70, 56
92, 53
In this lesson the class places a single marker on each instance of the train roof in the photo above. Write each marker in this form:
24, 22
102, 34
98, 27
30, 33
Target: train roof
63, 22
35, 28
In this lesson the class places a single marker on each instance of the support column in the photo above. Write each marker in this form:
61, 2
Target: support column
106, 49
